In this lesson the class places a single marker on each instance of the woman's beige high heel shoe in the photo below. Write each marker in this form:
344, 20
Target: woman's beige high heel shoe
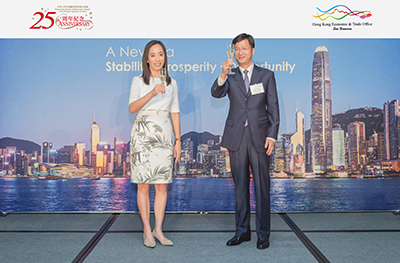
166, 242
149, 244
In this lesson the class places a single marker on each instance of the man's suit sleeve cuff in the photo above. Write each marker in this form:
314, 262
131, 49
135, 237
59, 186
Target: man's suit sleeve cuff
272, 139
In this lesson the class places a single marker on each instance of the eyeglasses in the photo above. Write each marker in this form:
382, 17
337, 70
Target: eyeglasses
237, 49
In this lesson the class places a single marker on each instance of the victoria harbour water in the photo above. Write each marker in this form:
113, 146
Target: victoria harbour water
197, 194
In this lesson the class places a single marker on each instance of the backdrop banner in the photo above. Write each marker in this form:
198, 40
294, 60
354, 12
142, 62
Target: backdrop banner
66, 72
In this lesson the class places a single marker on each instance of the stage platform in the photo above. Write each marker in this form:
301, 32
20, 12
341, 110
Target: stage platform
199, 237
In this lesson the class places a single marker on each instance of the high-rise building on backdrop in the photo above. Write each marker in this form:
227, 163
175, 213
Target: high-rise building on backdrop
321, 111
338, 149
391, 129
46, 148
298, 142
357, 144
94, 140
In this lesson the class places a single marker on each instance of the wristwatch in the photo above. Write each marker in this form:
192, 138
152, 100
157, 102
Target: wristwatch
178, 139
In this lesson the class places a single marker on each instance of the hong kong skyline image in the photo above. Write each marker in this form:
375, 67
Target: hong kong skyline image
338, 105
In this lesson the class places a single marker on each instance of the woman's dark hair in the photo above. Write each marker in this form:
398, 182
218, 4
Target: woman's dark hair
146, 68
242, 37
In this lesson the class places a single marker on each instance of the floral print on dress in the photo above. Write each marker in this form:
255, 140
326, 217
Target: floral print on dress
152, 149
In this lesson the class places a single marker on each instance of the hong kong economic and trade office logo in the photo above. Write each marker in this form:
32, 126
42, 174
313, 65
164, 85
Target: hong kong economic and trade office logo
339, 12
64, 17
341, 18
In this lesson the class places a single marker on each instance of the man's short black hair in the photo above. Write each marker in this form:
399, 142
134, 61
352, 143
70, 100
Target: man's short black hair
244, 36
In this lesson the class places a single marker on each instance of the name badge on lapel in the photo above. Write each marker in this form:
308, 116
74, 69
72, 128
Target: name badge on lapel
256, 89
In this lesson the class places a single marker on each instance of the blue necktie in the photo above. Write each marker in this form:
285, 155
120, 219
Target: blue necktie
247, 85
246, 81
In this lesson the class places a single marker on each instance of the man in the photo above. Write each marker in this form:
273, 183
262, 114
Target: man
250, 132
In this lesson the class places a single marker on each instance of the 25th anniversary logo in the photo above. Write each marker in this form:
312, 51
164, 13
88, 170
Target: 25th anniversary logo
63, 17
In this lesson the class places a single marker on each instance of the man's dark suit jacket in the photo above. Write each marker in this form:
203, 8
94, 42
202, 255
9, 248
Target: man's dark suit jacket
261, 110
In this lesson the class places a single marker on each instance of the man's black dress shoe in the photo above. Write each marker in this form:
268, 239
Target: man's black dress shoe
238, 240
262, 243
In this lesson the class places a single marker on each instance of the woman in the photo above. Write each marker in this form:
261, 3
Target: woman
153, 147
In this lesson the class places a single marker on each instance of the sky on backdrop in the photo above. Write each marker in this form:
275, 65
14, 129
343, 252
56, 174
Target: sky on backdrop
50, 89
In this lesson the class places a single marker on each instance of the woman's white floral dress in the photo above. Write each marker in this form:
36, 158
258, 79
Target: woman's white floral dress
152, 137
152, 148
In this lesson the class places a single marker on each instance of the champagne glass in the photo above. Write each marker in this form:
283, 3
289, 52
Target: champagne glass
163, 77
230, 51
